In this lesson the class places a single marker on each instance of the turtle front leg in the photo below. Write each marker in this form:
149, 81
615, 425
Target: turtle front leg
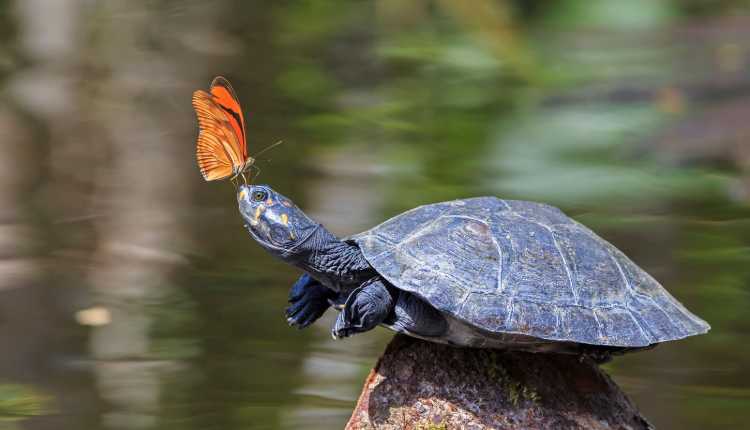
309, 300
366, 307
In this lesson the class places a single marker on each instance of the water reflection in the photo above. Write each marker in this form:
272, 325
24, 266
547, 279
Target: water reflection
131, 297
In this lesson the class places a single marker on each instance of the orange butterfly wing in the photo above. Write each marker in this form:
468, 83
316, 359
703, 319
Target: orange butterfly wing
217, 150
228, 101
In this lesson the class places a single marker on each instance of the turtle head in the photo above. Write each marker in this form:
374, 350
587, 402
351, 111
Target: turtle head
273, 220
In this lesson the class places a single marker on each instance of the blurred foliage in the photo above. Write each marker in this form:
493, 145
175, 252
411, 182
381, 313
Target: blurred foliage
611, 14
18, 402
448, 97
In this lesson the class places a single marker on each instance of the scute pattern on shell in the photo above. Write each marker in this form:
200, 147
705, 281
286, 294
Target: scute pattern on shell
510, 266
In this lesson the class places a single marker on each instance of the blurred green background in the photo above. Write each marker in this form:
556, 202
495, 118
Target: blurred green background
132, 298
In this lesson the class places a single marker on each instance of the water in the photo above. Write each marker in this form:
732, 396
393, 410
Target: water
130, 296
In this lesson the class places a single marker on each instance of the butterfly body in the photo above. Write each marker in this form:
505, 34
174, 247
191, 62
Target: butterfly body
221, 149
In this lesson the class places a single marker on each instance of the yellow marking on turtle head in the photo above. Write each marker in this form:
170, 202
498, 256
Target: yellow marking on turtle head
269, 202
257, 213
243, 193
285, 219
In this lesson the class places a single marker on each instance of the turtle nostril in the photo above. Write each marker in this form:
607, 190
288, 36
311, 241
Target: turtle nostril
244, 193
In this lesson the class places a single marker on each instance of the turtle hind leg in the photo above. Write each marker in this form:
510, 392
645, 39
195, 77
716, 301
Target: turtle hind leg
413, 316
366, 307
597, 355
601, 354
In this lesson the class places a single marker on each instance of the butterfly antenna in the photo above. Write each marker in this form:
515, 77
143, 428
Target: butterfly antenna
244, 178
271, 146
257, 174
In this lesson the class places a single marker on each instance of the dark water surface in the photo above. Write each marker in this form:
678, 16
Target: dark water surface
132, 298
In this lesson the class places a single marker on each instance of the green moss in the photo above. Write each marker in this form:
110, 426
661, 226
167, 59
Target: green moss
21, 401
432, 426
515, 390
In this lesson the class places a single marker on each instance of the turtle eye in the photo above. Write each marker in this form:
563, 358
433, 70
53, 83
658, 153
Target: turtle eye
259, 196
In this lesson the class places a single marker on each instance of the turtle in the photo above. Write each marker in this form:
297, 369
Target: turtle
479, 272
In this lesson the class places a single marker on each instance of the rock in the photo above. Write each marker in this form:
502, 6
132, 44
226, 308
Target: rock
423, 385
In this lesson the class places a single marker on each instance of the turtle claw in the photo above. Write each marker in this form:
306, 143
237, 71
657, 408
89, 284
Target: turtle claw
308, 301
366, 307
341, 328
335, 336
304, 314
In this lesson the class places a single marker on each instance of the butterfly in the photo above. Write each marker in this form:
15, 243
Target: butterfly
222, 145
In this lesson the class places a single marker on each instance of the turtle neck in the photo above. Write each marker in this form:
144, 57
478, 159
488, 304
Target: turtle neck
336, 264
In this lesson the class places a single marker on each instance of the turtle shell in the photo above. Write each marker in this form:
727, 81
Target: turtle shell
506, 266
